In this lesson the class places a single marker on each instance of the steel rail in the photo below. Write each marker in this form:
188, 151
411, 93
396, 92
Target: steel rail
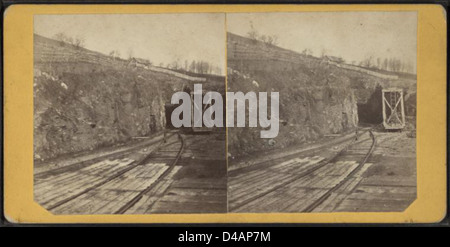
306, 173
116, 175
138, 197
88, 162
321, 199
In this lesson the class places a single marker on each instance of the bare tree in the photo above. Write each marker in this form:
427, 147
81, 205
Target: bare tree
390, 64
192, 67
114, 54
272, 40
263, 38
61, 37
323, 53
78, 42
384, 65
130, 53
117, 53
217, 70
368, 62
253, 34
307, 52
175, 65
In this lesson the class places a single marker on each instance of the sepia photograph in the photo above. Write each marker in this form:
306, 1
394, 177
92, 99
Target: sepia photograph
225, 115
104, 142
225, 112
346, 83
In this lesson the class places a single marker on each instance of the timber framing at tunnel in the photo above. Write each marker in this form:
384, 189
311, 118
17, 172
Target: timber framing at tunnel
393, 109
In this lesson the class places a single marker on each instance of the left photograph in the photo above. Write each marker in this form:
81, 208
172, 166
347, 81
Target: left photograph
104, 142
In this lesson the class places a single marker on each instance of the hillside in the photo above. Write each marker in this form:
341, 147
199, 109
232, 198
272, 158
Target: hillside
84, 100
317, 98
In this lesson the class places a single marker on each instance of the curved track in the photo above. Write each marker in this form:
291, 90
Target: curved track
138, 197
110, 185
361, 164
299, 185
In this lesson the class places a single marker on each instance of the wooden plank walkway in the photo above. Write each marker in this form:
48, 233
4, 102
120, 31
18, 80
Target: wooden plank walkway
380, 194
262, 190
336, 197
300, 193
61, 186
110, 197
196, 184
189, 195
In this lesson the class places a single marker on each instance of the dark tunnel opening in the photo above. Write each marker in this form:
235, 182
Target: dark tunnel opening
372, 111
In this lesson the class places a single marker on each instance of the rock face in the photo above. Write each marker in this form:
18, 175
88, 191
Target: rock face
316, 98
84, 100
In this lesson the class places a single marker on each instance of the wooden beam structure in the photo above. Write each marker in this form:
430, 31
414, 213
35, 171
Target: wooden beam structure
393, 109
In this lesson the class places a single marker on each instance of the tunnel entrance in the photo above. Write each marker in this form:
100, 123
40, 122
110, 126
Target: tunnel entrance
372, 111
168, 110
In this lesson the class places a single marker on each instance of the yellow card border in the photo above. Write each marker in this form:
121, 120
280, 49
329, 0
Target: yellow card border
430, 205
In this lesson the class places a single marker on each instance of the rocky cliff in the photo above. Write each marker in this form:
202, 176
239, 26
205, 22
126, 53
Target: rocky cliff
84, 100
316, 98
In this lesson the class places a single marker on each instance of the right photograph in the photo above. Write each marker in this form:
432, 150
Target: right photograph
346, 108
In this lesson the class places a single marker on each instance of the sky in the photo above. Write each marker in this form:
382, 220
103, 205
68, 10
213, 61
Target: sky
164, 38
353, 36
161, 38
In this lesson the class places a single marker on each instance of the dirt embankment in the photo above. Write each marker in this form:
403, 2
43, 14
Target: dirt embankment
84, 100
316, 98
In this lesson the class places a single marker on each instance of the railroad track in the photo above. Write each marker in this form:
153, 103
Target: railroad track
110, 186
63, 165
301, 185
166, 173
358, 168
